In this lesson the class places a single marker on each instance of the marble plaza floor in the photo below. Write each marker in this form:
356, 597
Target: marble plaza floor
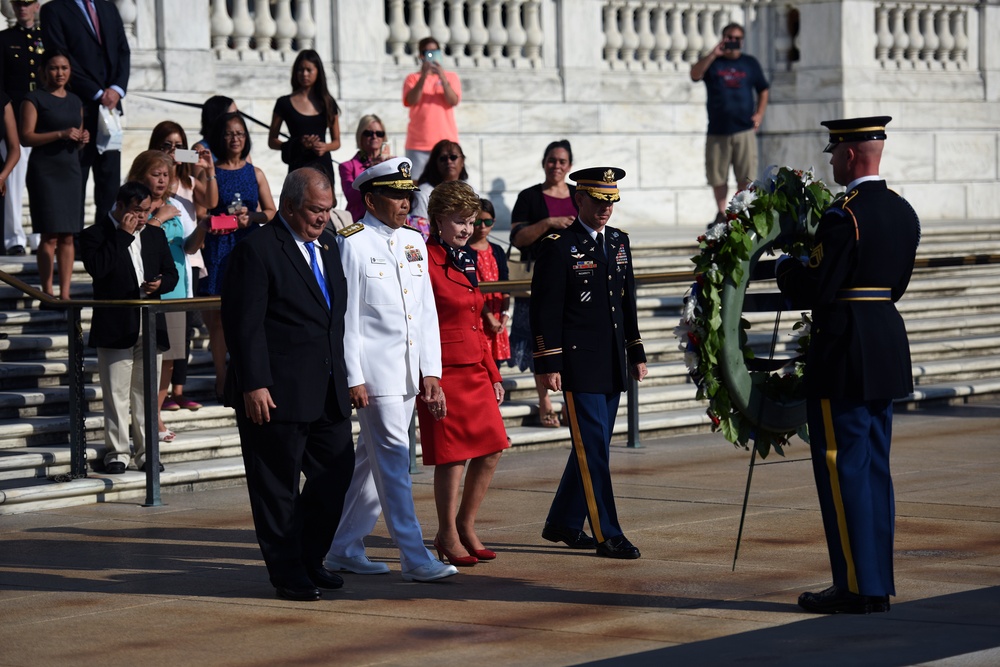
183, 584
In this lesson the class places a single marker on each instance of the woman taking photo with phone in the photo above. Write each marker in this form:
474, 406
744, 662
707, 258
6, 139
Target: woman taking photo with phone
431, 96
372, 149
308, 113
52, 124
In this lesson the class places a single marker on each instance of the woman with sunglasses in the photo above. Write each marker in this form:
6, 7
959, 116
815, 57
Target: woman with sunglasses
471, 432
308, 112
372, 149
491, 265
446, 164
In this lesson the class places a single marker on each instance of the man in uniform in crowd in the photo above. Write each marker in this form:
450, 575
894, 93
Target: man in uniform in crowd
392, 347
283, 301
587, 343
91, 32
20, 49
731, 78
858, 362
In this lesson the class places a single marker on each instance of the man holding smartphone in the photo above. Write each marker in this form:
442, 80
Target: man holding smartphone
731, 78
431, 95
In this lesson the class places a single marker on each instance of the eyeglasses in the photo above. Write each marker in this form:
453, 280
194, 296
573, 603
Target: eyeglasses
368, 134
235, 135
168, 147
446, 158
487, 221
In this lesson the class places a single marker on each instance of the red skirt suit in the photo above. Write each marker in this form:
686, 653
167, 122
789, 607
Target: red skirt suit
473, 426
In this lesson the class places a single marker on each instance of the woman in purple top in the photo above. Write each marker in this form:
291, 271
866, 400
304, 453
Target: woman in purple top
372, 149
538, 211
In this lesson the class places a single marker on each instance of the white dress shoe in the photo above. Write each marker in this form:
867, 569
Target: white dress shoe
355, 564
432, 570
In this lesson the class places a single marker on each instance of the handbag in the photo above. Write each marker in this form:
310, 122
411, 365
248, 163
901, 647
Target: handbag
109, 130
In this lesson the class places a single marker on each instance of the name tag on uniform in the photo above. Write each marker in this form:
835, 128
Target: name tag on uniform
378, 260
413, 254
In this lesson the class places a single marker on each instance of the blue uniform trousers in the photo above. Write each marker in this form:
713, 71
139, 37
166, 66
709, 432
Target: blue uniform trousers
850, 456
585, 489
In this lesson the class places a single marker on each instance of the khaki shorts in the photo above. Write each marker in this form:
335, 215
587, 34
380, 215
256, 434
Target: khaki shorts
739, 150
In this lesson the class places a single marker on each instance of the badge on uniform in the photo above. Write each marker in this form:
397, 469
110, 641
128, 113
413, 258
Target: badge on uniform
413, 254
816, 256
584, 297
621, 257
378, 260
584, 265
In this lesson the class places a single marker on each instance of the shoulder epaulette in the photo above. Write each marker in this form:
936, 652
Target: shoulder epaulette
551, 237
350, 230
412, 229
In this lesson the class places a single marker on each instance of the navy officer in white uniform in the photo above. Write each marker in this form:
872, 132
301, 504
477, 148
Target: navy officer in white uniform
392, 348
583, 317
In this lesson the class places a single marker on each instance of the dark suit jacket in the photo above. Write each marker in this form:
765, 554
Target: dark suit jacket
280, 333
104, 249
95, 65
583, 312
859, 349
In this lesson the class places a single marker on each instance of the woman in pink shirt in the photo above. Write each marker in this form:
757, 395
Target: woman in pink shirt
431, 100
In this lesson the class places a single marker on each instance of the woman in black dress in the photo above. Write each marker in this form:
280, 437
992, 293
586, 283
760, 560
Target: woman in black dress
52, 124
308, 112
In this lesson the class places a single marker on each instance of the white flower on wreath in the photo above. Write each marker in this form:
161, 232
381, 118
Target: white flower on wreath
681, 332
691, 360
713, 274
689, 311
741, 201
809, 176
717, 231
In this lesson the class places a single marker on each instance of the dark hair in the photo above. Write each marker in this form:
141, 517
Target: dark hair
159, 136
132, 192
562, 143
730, 26
217, 139
422, 44
211, 109
47, 57
487, 206
432, 174
320, 88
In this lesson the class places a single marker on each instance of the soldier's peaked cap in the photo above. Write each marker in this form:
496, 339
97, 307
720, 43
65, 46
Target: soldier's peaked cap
869, 128
599, 182
393, 173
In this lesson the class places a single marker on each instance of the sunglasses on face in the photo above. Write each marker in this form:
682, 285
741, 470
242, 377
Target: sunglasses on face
368, 134
447, 158
487, 221
168, 147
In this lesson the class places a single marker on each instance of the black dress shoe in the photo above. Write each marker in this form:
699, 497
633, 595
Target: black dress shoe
838, 601
617, 547
114, 468
323, 578
574, 539
16, 250
142, 468
298, 593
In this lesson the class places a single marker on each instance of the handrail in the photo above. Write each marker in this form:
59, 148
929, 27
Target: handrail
149, 308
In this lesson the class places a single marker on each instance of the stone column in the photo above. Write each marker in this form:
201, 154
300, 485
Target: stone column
185, 45
359, 38
990, 45
581, 44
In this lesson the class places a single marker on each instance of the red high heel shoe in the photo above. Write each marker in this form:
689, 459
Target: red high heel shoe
481, 554
460, 561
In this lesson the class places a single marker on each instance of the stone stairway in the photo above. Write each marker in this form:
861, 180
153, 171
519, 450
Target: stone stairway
952, 315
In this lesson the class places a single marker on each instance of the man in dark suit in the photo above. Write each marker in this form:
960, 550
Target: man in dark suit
91, 32
587, 342
858, 362
20, 54
283, 302
127, 259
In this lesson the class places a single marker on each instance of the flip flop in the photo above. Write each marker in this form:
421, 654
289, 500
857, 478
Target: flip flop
549, 419
167, 436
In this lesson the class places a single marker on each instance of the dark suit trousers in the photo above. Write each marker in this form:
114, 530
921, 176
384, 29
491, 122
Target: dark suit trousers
107, 167
295, 528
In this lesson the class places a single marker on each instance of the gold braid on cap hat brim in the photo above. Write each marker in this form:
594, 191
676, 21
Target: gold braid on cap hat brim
400, 184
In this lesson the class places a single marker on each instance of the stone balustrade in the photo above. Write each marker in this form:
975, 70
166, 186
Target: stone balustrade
261, 30
923, 36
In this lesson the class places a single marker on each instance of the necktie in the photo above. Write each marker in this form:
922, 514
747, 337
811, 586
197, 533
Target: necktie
93, 18
316, 272
600, 246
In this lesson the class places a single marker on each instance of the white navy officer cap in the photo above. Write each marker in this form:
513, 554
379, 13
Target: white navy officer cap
393, 173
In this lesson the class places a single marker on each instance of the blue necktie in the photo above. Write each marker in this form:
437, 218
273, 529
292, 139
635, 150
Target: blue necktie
317, 273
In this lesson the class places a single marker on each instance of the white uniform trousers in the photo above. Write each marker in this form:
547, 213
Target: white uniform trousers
381, 482
13, 228
121, 384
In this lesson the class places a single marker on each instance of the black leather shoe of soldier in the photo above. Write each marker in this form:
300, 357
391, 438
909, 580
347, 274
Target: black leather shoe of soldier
323, 578
574, 539
298, 593
838, 601
617, 547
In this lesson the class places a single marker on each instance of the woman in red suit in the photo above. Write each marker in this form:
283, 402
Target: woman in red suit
472, 431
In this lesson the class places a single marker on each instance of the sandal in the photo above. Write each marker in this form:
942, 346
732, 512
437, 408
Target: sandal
549, 419
167, 436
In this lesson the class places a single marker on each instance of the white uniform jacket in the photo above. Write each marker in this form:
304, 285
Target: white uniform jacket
391, 334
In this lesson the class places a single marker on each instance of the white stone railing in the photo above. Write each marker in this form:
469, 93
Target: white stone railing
473, 33
662, 35
261, 29
922, 36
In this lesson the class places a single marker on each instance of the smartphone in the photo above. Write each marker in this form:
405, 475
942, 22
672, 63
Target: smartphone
731, 45
433, 56
185, 155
